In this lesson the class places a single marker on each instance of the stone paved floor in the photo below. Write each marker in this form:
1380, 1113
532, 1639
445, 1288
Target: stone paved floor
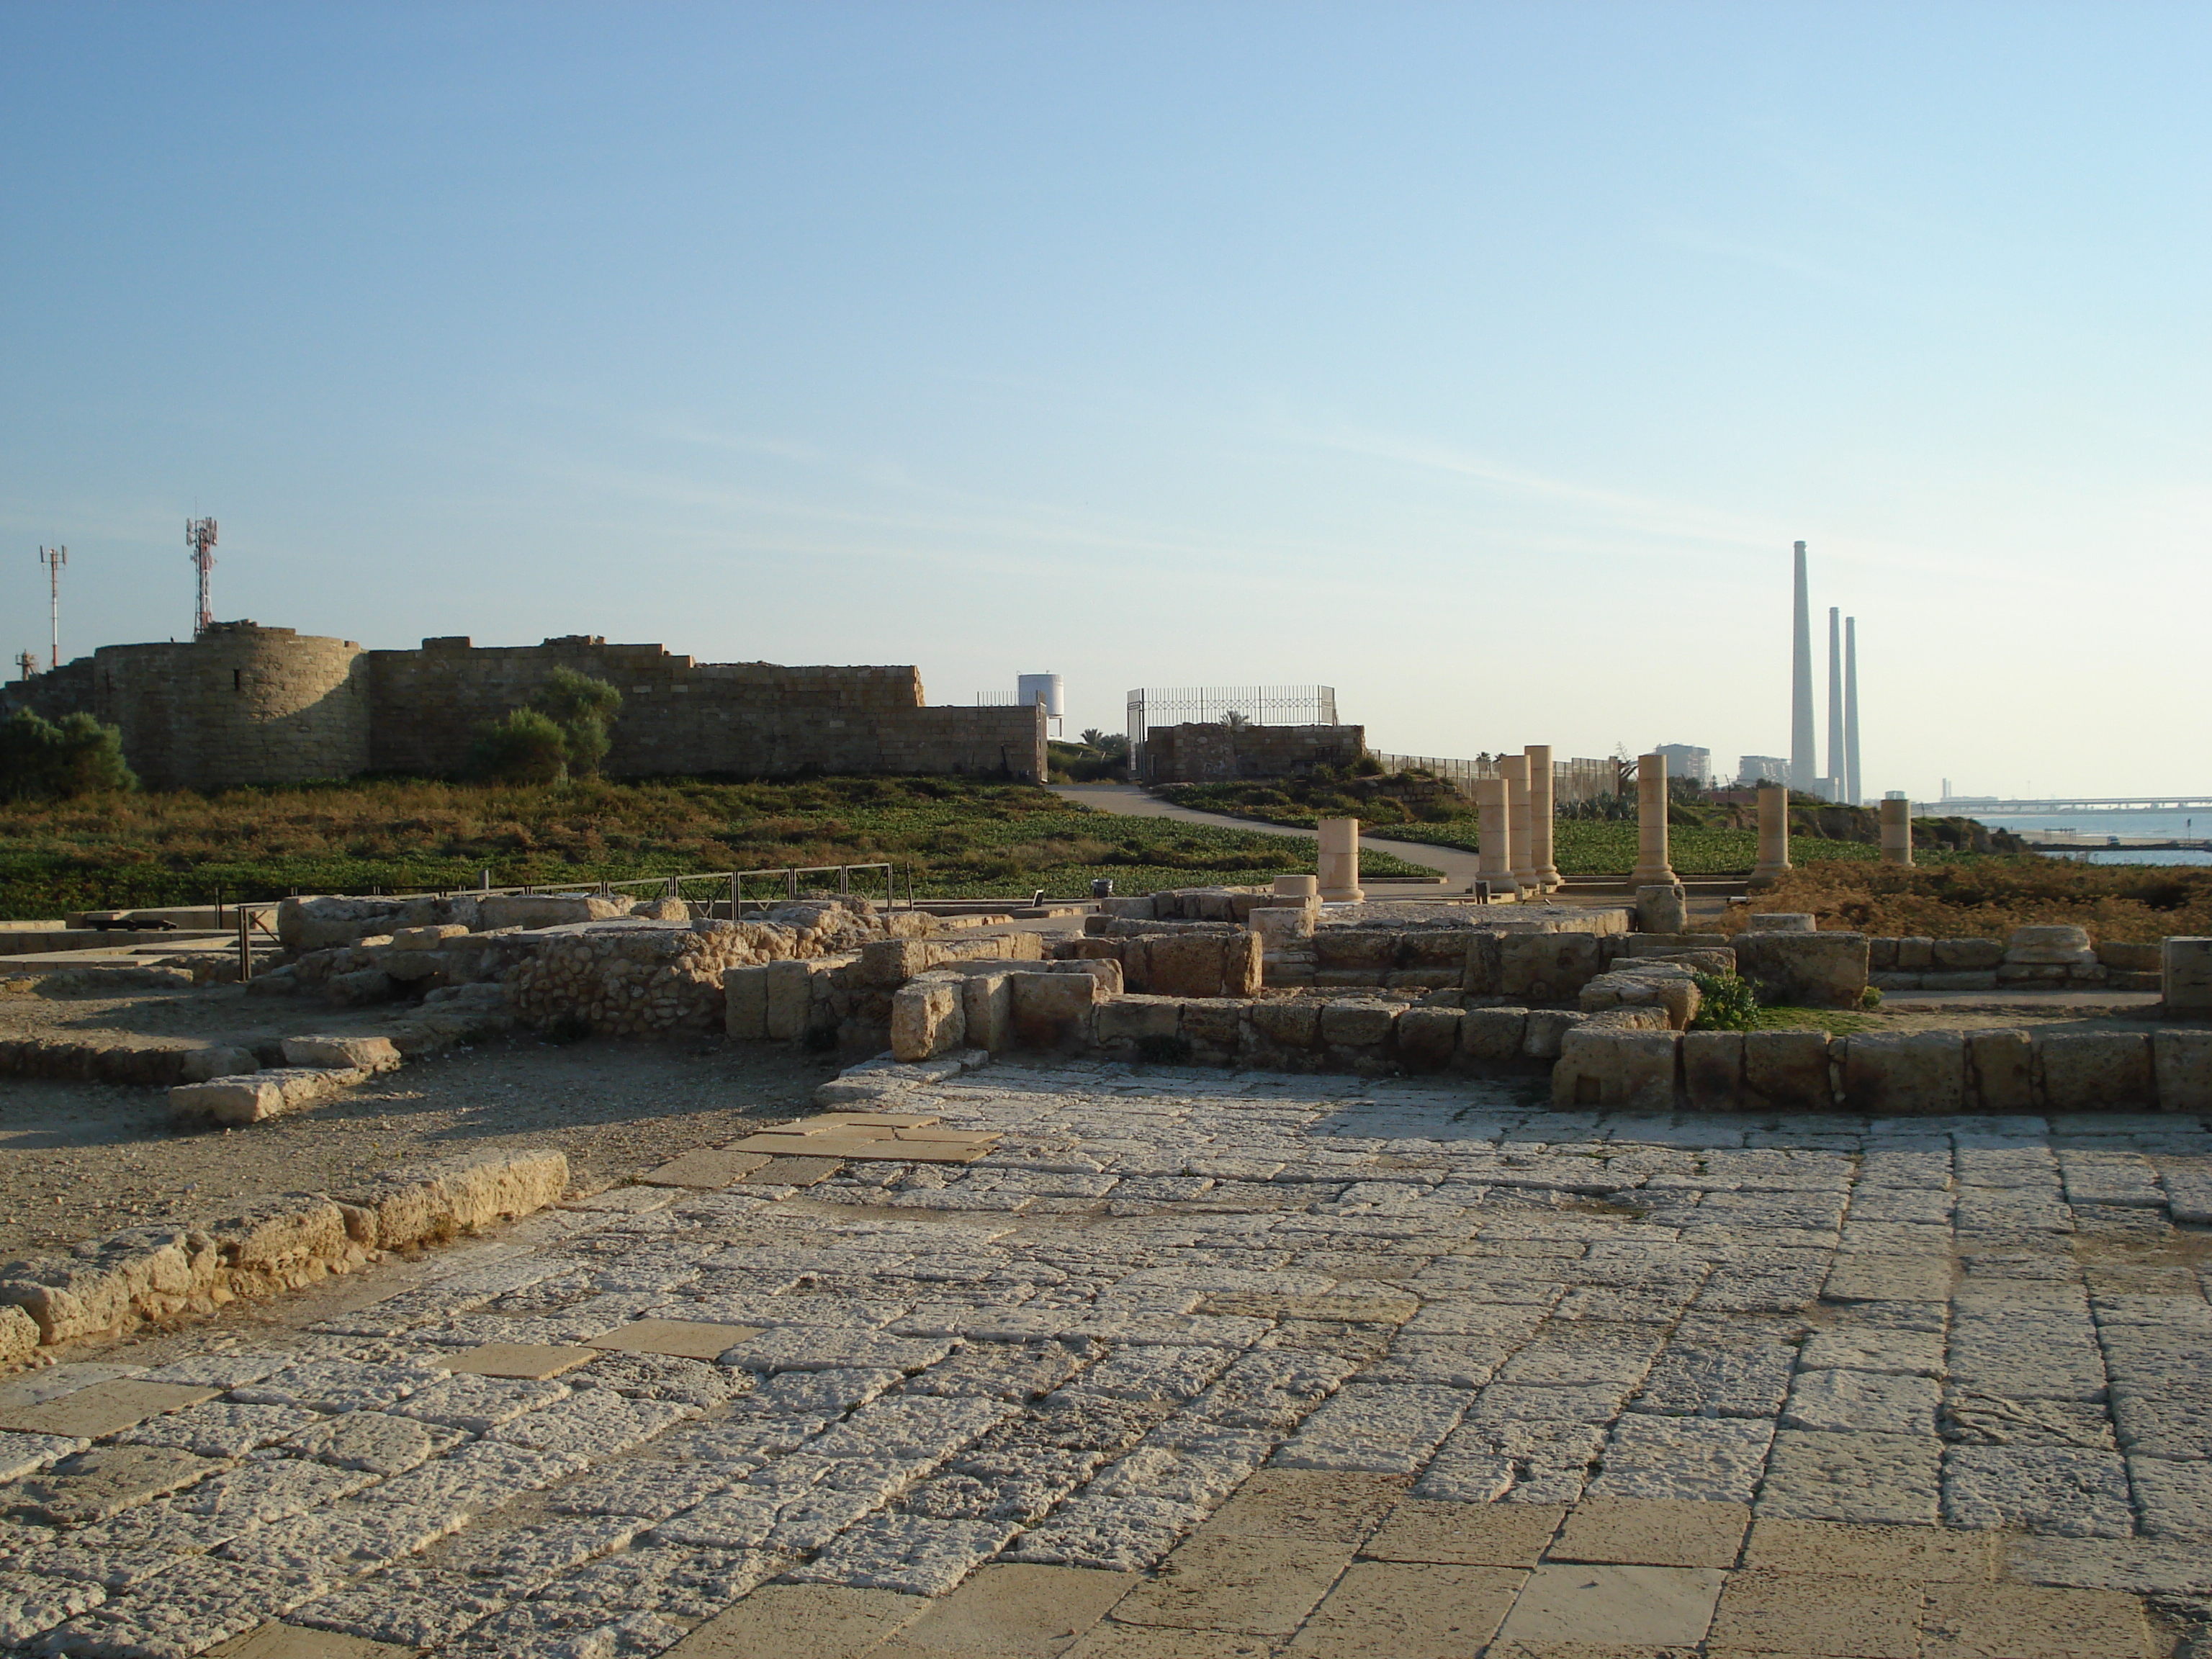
1200, 1363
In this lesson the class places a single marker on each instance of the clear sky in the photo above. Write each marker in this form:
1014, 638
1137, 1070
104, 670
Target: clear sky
1481, 360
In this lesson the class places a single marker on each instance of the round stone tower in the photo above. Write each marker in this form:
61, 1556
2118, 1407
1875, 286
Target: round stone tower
240, 704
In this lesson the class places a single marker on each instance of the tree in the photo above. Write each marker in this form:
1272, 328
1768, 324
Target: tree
581, 707
524, 746
80, 756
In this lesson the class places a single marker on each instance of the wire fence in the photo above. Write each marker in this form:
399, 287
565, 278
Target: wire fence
1573, 782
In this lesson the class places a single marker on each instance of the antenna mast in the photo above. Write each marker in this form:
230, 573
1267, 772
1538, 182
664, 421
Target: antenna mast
27, 662
54, 558
199, 535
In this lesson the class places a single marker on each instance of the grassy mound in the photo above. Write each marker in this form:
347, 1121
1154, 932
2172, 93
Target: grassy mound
958, 837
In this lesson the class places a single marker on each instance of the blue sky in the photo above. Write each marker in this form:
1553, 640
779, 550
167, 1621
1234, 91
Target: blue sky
1482, 361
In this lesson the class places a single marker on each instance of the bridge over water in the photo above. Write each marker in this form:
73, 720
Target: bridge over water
1974, 806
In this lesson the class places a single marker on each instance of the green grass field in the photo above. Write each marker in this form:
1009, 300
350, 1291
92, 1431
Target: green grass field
955, 837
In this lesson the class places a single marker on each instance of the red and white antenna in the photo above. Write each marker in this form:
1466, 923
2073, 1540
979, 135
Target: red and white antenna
54, 558
199, 535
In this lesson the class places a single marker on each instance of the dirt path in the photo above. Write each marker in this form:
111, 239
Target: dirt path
1460, 869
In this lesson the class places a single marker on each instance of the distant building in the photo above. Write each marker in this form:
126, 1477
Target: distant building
1754, 769
1685, 762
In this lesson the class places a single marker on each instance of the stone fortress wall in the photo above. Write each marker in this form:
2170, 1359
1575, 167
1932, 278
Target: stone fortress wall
247, 704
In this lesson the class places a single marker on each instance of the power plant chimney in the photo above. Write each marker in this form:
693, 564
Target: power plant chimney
1838, 767
1852, 710
1804, 765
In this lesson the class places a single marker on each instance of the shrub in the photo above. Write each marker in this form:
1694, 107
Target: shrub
523, 747
1727, 1003
39, 760
581, 707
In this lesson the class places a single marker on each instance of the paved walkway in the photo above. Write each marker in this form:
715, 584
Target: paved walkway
1198, 1364
1460, 869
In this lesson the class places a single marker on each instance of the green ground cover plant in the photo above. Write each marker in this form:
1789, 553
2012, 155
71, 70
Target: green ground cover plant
957, 837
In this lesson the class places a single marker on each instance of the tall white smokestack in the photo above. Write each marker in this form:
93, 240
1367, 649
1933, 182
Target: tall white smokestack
1851, 711
1804, 765
1837, 767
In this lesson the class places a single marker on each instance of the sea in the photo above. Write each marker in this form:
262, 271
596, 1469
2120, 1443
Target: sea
2095, 827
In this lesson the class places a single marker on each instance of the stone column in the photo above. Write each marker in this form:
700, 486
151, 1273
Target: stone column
1514, 769
1494, 853
1773, 836
1542, 813
1340, 860
1896, 830
1652, 867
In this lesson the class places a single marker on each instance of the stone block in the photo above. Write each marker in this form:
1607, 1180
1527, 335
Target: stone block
1375, 948
2133, 958
426, 939
1546, 967
2002, 1064
1813, 970
1242, 965
1218, 1022
888, 963
1283, 927
1183, 965
1052, 1011
1130, 1018
1546, 1027
1302, 890
2063, 946
1905, 1074
261, 1096
2186, 965
410, 967
363, 985
1890, 980
1964, 979
1781, 921
1881, 955
1915, 955
1485, 964
1635, 1069
2182, 1063
928, 1019
2122, 979
2047, 975
2093, 1071
1493, 1034
1712, 1070
1357, 1022
1787, 1069
1107, 970
362, 1053
1136, 910
1965, 955
1290, 1022
204, 1065
1428, 1037
790, 998
744, 1003
1662, 908
496, 910
986, 1004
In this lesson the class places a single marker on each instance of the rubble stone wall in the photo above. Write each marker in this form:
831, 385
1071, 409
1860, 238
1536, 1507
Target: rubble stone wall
247, 704
240, 704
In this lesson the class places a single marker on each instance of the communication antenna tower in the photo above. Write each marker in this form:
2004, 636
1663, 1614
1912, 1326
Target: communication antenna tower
27, 663
54, 558
199, 535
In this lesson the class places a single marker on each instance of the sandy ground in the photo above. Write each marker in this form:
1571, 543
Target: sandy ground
80, 1160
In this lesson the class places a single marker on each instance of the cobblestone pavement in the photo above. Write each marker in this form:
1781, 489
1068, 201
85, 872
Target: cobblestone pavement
1200, 1363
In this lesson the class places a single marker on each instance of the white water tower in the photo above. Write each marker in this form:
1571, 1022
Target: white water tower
1049, 689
